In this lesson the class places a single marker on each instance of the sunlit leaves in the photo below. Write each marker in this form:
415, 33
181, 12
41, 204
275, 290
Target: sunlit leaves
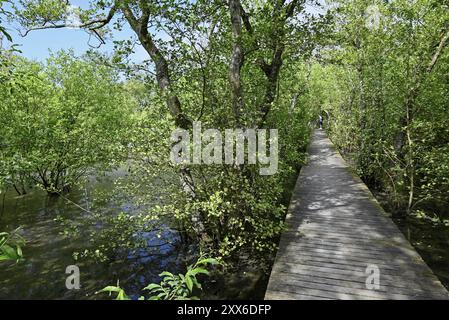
11, 246
40, 12
172, 287
386, 91
64, 119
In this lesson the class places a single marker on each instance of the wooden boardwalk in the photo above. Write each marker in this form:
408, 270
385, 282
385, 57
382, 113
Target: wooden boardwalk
336, 237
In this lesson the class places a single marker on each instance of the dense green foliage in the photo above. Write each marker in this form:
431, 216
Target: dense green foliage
172, 287
71, 116
384, 89
60, 120
213, 71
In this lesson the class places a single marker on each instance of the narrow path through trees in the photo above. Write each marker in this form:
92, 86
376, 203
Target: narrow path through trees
338, 238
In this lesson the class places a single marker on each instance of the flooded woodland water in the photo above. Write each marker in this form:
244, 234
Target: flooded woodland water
431, 241
48, 250
429, 238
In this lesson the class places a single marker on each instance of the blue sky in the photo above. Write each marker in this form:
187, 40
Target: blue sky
38, 44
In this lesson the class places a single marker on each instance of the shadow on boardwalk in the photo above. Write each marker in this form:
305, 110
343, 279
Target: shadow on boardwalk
335, 231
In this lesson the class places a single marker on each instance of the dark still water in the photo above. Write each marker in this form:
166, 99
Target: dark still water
431, 240
49, 249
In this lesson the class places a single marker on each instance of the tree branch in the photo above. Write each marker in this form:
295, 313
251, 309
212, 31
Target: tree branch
438, 52
92, 25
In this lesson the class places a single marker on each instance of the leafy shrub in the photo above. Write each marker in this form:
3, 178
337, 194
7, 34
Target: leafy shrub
172, 287
11, 246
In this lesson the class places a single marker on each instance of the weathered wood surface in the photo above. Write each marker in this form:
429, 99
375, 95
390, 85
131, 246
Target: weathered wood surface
335, 230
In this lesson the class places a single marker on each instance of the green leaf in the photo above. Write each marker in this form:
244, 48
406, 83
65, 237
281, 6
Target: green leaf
208, 261
122, 295
152, 286
109, 289
199, 271
19, 251
166, 274
4, 257
189, 283
6, 34
9, 252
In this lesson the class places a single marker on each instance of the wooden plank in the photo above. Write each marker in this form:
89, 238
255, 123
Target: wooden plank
337, 261
362, 232
344, 278
316, 218
318, 233
384, 289
375, 249
276, 295
354, 272
305, 256
301, 247
424, 282
347, 292
335, 229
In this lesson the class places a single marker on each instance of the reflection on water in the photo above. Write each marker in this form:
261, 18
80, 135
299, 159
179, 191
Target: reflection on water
48, 252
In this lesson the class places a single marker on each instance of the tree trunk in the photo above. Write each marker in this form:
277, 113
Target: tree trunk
140, 27
237, 58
